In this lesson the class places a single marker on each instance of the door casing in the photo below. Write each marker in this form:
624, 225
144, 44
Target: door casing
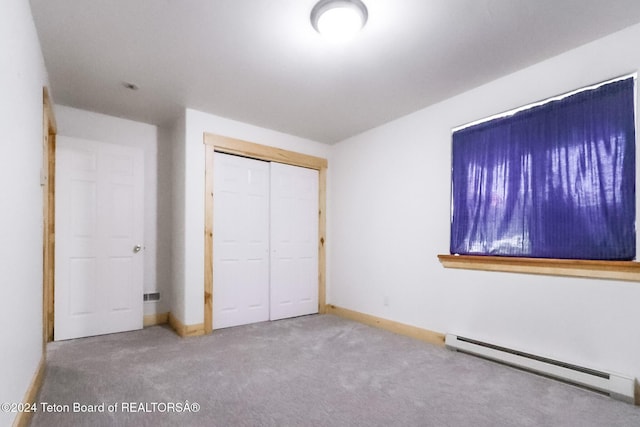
252, 150
49, 131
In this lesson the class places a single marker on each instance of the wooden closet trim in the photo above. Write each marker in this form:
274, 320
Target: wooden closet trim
222, 144
49, 130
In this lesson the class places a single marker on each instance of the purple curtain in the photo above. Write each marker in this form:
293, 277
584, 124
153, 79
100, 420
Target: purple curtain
553, 181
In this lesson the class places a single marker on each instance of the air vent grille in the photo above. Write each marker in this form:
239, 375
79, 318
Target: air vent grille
155, 296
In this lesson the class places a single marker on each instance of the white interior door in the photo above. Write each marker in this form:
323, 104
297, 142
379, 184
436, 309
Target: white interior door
294, 241
99, 224
241, 241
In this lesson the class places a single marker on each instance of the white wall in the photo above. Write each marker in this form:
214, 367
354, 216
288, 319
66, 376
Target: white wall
390, 219
22, 76
83, 124
165, 218
188, 246
178, 219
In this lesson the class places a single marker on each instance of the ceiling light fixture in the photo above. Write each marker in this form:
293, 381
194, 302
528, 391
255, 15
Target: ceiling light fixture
339, 19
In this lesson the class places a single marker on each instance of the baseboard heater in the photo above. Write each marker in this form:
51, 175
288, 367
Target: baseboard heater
617, 386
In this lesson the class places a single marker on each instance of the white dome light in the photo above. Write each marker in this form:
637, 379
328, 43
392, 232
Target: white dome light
339, 19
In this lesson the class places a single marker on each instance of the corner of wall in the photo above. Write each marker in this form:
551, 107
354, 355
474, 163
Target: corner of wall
164, 254
176, 149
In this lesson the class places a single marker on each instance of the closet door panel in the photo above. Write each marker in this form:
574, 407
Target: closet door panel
294, 241
241, 241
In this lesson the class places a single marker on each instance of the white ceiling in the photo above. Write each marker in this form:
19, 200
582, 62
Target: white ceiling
261, 62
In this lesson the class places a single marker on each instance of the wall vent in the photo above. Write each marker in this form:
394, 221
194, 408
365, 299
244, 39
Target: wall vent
155, 296
617, 386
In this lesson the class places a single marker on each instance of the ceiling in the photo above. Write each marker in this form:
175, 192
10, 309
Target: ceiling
261, 62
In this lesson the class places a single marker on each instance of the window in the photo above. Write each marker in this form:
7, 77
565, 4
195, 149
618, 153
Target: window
556, 180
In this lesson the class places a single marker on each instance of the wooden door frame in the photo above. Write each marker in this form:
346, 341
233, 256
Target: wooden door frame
222, 144
49, 130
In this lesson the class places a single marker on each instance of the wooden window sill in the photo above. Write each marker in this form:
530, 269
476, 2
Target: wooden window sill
614, 270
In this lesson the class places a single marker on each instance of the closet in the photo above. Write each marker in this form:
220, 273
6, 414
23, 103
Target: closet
265, 245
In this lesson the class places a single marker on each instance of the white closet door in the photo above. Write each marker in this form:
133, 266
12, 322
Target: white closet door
240, 241
294, 241
99, 223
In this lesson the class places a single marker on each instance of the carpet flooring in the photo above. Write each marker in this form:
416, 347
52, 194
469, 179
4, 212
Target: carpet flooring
308, 371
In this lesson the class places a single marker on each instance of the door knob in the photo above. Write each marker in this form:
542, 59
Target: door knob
136, 249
